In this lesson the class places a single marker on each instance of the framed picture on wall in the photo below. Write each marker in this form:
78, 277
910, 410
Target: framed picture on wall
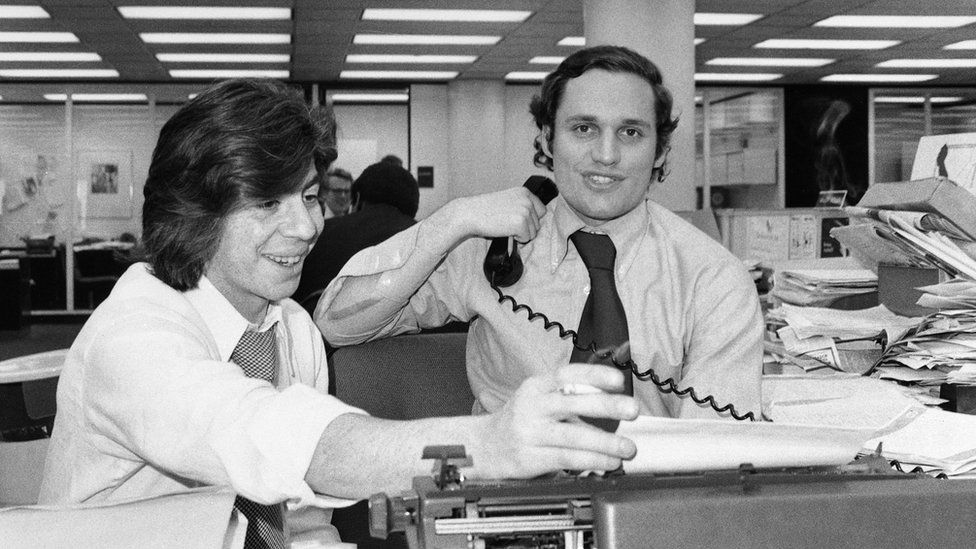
104, 180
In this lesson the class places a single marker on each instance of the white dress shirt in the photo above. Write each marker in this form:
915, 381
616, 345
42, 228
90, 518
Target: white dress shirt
692, 309
148, 403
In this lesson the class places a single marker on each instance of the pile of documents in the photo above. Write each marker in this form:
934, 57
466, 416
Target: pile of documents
814, 338
942, 345
820, 282
957, 293
914, 435
923, 239
937, 441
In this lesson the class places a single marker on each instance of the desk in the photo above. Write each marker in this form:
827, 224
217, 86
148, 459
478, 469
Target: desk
28, 389
15, 297
32, 367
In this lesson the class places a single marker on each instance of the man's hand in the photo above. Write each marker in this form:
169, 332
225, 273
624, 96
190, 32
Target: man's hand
513, 212
538, 430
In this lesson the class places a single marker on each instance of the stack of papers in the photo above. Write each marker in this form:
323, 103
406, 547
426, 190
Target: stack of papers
935, 440
942, 344
957, 293
817, 321
842, 340
915, 435
821, 286
926, 239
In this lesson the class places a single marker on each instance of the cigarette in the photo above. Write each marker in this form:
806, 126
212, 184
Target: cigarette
579, 389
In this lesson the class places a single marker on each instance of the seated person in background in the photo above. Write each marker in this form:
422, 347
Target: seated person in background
392, 159
336, 192
198, 369
385, 198
692, 313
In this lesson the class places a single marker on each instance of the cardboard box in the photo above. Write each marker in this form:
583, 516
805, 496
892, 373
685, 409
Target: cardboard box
935, 194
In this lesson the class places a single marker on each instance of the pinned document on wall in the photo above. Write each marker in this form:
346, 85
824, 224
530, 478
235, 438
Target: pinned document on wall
768, 238
803, 237
952, 156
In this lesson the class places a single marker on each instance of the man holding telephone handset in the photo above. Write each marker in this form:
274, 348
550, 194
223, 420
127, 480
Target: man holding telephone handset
601, 259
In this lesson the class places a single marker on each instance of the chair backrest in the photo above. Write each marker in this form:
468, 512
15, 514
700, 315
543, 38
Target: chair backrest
405, 377
21, 470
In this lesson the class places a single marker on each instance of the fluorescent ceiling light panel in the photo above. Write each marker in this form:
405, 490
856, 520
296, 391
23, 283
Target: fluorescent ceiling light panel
897, 21
59, 73
808, 44
223, 57
399, 75
214, 38
736, 76
426, 39
769, 61
526, 76
23, 12
97, 97
397, 58
725, 18
879, 77
370, 97
228, 73
207, 13
964, 45
928, 63
915, 99
572, 41
546, 60
476, 16
48, 56
28, 37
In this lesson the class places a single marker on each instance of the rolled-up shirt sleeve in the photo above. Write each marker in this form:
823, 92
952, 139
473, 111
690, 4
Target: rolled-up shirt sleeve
395, 287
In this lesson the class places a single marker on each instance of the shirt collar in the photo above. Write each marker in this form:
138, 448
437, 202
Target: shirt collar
626, 232
224, 321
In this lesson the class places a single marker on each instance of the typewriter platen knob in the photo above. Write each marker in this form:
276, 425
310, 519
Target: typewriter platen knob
387, 515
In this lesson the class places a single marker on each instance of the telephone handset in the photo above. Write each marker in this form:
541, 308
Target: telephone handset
503, 269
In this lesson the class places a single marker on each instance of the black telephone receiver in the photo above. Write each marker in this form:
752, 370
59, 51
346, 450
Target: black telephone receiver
503, 269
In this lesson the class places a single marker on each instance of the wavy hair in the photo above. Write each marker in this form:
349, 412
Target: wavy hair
239, 142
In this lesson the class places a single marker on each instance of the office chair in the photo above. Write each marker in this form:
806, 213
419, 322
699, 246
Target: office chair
96, 271
405, 377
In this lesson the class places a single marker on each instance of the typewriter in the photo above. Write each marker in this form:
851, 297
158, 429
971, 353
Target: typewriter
863, 504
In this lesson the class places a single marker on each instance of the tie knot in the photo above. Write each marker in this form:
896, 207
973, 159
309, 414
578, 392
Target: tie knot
596, 250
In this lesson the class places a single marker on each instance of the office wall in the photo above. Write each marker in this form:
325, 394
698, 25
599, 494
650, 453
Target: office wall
33, 158
367, 133
107, 135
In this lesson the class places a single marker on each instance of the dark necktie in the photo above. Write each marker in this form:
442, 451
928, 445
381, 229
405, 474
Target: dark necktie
257, 354
603, 321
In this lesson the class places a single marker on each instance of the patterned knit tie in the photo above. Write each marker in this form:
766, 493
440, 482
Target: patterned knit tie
603, 321
257, 354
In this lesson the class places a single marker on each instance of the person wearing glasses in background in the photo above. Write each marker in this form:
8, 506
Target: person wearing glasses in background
337, 192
